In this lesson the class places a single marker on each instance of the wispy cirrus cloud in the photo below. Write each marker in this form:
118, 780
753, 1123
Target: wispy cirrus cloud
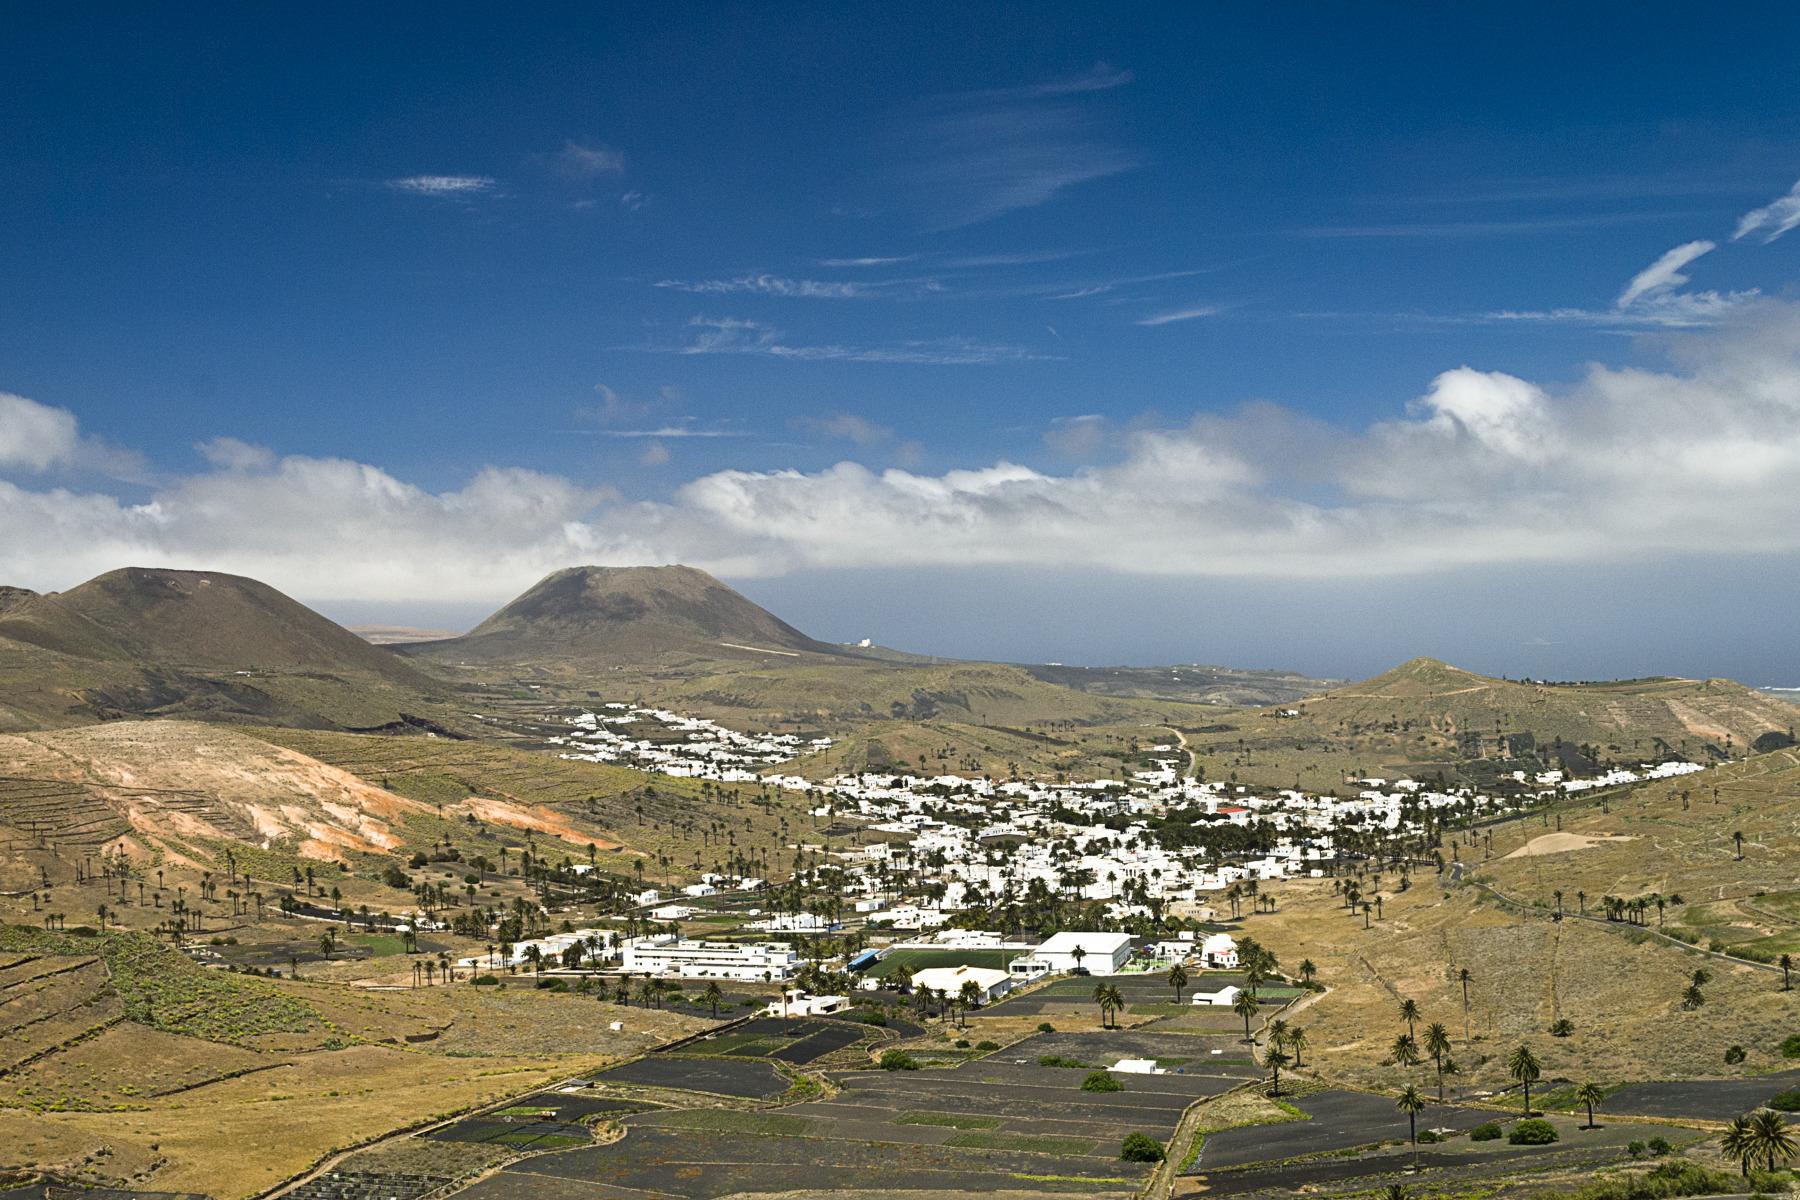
969, 157
1663, 275
1192, 313
738, 335
770, 285
844, 427
1771, 220
585, 160
444, 185
870, 261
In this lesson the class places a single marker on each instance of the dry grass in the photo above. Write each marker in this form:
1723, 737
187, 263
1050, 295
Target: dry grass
1623, 997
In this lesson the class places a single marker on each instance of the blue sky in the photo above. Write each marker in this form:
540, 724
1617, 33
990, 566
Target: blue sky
401, 309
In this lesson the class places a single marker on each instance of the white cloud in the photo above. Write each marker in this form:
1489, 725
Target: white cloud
846, 427
36, 436
1664, 274
230, 453
866, 262
738, 335
769, 285
1771, 220
1626, 465
654, 454
634, 200
1182, 314
579, 160
443, 185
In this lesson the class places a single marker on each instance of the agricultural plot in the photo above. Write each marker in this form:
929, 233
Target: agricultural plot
1146, 995
1458, 1165
740, 1078
1335, 1120
1174, 1051
1707, 1099
984, 1126
796, 1041
543, 1121
697, 1165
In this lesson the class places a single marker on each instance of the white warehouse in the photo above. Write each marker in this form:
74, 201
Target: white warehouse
1095, 953
749, 961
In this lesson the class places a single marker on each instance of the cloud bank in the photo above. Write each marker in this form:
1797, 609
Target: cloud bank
1694, 456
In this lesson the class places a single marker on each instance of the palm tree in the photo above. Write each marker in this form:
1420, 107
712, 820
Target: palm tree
1115, 998
1739, 1142
1275, 1059
970, 997
712, 995
1591, 1095
1409, 1012
1412, 1104
1523, 1066
1103, 997
1771, 1137
1786, 963
1307, 971
1245, 1006
1405, 1051
1437, 1044
1296, 1041
1465, 978
1178, 978
1738, 837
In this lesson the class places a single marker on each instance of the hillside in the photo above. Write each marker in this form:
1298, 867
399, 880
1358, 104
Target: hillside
623, 615
1426, 716
1193, 683
679, 637
142, 642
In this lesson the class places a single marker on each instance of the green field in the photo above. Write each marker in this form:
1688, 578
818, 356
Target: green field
919, 960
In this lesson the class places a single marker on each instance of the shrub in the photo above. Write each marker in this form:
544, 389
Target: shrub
1636, 1149
1734, 1055
987, 1045
1058, 1060
1532, 1131
1046, 1027
1140, 1147
1788, 1101
1660, 1146
1790, 1046
1100, 1081
1562, 1028
962, 1043
1487, 1131
898, 1060
484, 981
1430, 1137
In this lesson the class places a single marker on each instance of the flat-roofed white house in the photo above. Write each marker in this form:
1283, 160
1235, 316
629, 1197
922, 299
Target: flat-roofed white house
1225, 997
1219, 951
949, 980
667, 955
1095, 953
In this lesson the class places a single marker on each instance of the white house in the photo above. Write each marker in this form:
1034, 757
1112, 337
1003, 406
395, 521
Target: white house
1219, 951
1225, 997
796, 1003
950, 981
1095, 953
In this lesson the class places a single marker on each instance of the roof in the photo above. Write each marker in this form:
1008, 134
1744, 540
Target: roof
951, 979
1090, 943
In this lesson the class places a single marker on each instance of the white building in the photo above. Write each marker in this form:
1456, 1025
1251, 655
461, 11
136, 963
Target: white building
1219, 951
796, 1003
691, 959
1095, 953
950, 980
1225, 997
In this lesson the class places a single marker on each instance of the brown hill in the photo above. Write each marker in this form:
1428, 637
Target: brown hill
1427, 717
152, 642
624, 615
